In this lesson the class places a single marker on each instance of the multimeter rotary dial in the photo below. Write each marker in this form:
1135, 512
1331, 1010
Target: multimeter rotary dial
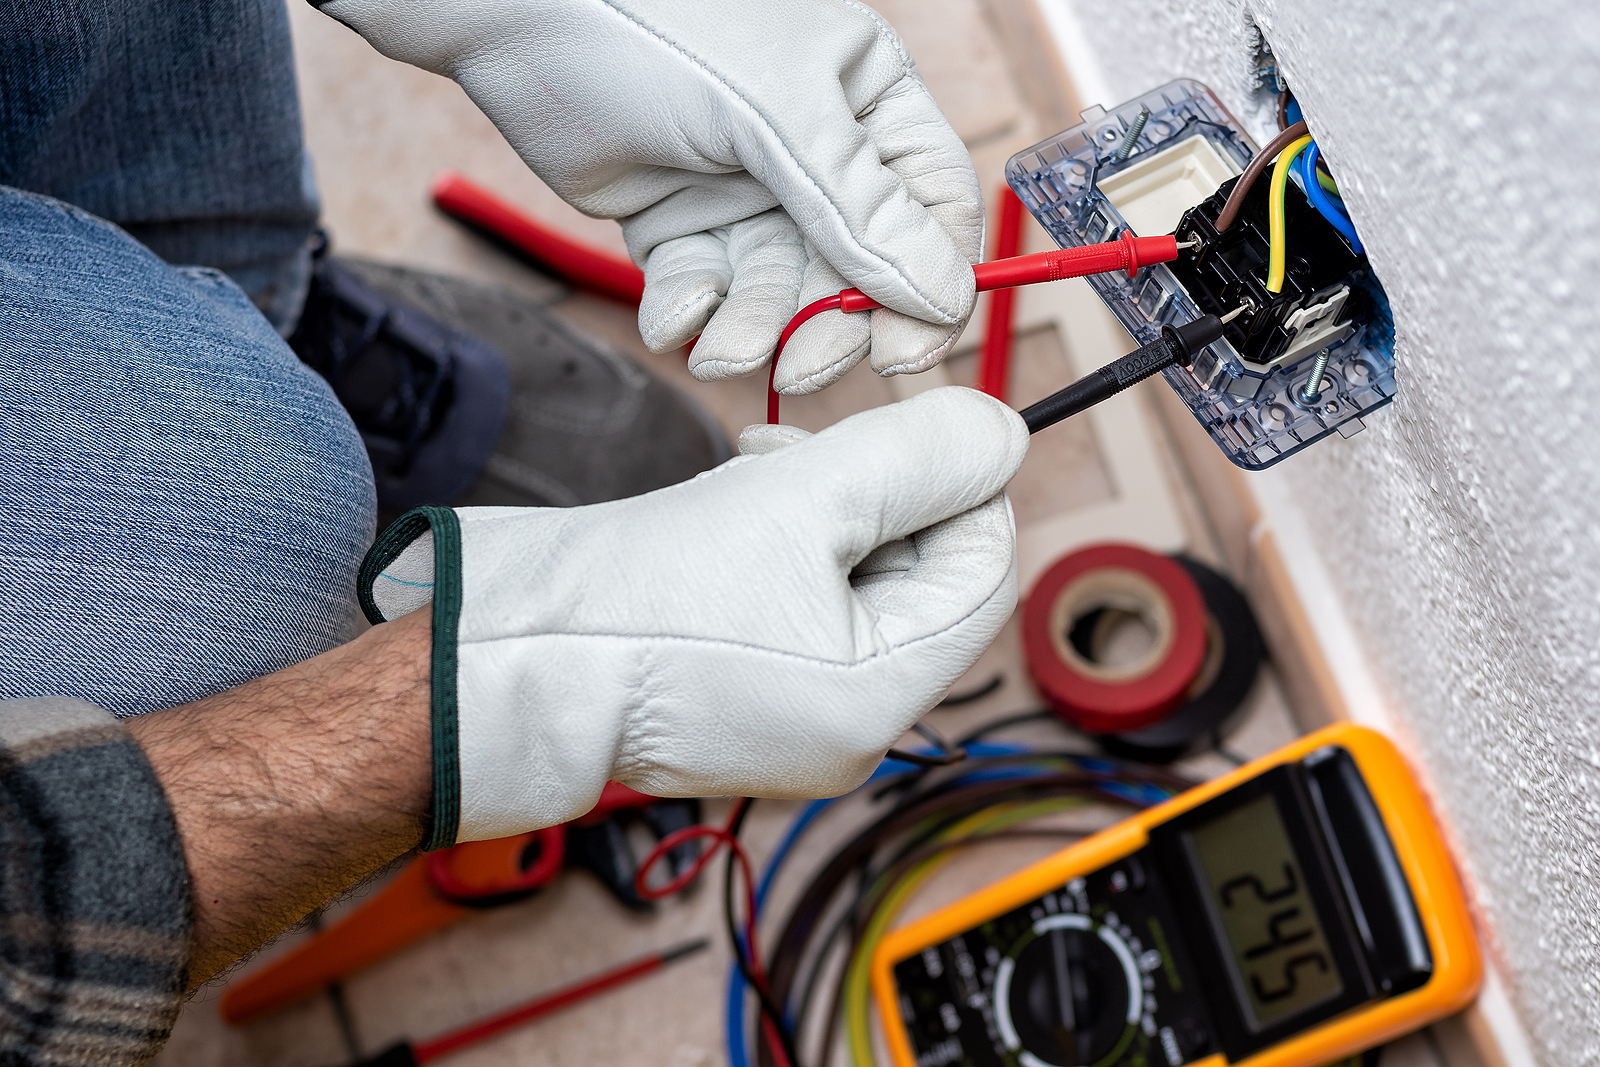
1068, 993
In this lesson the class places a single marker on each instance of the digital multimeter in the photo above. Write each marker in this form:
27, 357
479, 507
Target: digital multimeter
1294, 912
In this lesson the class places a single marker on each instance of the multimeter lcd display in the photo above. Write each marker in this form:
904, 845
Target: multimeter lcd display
1278, 953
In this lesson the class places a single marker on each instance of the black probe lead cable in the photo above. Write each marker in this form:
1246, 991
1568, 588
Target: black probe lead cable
1177, 344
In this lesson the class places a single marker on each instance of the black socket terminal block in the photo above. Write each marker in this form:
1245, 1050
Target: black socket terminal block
1229, 269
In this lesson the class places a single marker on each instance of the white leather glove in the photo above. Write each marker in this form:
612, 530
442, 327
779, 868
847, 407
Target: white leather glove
759, 154
768, 628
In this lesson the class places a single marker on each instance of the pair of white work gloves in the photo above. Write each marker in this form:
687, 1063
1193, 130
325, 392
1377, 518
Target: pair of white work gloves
770, 627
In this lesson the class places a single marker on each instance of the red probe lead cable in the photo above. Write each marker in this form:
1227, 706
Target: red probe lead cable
1127, 253
726, 834
810, 311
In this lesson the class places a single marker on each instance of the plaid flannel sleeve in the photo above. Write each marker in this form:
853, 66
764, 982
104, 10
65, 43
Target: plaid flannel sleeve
94, 892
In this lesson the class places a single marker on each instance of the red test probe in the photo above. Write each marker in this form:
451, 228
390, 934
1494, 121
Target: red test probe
1128, 253
601, 272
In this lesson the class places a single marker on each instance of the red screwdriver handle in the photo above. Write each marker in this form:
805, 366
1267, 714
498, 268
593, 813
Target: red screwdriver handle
1128, 253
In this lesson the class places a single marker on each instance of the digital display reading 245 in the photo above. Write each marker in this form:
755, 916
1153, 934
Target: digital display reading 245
1279, 956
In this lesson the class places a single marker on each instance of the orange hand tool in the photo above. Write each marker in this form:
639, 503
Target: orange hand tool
433, 891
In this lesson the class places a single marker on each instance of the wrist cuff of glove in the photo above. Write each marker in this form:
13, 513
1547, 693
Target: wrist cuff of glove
445, 820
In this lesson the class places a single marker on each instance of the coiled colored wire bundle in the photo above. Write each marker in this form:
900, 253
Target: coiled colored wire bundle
855, 896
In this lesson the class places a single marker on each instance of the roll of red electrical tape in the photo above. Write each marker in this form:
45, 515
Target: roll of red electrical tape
1103, 698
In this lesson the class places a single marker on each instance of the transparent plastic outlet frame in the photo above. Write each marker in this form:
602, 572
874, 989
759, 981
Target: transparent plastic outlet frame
1189, 146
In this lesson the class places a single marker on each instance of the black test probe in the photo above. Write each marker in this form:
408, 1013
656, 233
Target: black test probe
1177, 344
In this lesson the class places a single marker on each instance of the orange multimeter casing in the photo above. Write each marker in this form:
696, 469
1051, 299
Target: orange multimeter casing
1291, 913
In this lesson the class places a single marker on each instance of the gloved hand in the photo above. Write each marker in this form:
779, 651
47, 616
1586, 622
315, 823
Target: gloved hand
768, 628
759, 153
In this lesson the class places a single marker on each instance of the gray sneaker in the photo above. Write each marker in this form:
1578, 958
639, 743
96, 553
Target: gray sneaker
585, 422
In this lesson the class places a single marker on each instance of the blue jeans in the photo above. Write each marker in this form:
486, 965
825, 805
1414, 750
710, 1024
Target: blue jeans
180, 122
184, 503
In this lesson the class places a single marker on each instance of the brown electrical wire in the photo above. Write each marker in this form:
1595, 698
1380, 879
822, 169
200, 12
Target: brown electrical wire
1230, 210
1283, 110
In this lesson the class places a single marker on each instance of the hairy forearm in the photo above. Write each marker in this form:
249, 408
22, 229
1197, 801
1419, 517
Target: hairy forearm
292, 788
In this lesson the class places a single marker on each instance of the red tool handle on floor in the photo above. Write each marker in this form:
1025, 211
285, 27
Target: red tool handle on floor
583, 266
415, 1054
994, 358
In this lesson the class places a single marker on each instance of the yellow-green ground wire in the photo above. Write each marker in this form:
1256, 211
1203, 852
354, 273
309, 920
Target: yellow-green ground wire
1278, 254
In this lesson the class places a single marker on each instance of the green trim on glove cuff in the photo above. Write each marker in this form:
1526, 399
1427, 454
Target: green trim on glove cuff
446, 818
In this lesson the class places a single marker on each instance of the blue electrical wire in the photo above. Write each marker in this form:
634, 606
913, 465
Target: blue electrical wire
1309, 174
1334, 213
734, 1010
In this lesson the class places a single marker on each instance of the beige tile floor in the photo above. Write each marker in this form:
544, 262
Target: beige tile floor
379, 131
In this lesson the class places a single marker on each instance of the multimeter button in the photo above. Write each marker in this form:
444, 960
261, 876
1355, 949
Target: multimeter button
1193, 1038
1127, 877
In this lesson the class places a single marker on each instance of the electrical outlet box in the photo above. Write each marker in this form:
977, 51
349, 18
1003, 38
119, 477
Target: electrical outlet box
1246, 389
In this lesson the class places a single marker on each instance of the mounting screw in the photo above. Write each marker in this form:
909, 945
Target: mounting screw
1313, 388
1125, 149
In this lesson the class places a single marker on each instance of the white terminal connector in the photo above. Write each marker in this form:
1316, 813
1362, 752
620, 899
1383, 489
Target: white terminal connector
1312, 328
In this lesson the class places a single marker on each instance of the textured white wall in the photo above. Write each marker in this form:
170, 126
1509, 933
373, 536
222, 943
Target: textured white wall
1462, 529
